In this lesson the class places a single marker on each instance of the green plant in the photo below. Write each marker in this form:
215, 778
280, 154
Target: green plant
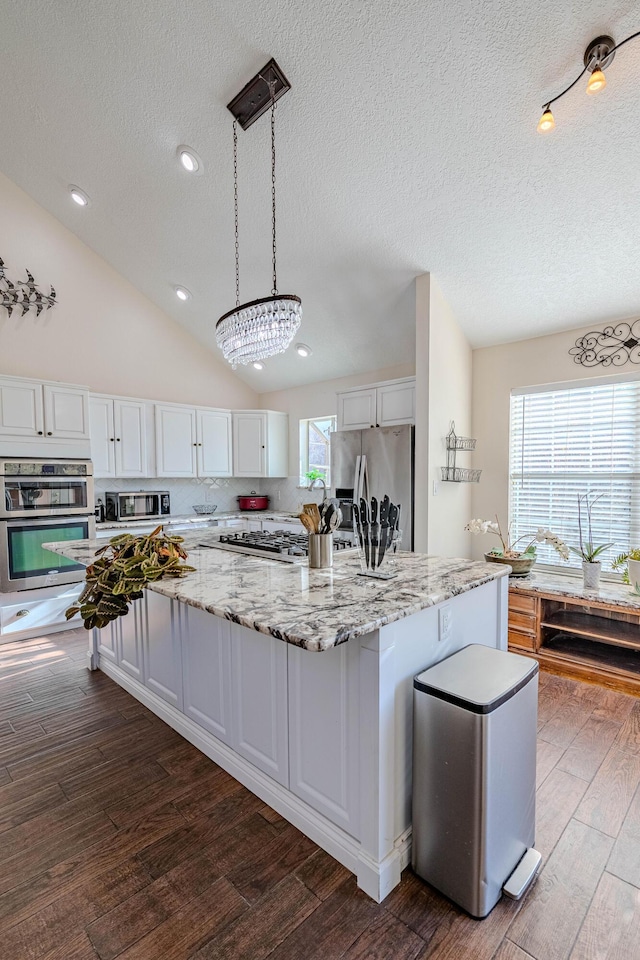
314, 475
622, 560
125, 566
587, 549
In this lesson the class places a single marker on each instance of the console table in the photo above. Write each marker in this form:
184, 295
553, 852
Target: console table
591, 635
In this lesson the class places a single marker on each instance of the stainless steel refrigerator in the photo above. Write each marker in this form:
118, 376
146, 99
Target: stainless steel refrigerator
370, 463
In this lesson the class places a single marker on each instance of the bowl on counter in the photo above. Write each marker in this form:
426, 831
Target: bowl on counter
204, 508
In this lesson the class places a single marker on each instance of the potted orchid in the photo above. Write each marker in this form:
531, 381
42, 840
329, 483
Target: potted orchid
588, 551
519, 559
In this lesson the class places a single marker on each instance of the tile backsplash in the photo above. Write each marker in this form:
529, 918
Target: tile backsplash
283, 492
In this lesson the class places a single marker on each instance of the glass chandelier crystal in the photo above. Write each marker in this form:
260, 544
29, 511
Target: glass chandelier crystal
262, 328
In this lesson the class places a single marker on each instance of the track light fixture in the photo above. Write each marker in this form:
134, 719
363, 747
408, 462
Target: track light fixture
597, 57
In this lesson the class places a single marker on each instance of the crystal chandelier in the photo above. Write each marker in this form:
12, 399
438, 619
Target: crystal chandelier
262, 328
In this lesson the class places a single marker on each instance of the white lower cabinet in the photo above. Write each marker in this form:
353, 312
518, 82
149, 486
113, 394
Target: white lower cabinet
130, 631
259, 701
206, 671
161, 648
323, 731
108, 641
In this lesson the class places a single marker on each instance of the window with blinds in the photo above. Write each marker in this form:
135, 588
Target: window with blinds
574, 441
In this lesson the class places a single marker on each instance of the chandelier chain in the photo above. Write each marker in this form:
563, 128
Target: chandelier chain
273, 186
235, 207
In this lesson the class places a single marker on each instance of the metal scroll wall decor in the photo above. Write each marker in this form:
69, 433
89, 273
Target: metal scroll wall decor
612, 347
24, 294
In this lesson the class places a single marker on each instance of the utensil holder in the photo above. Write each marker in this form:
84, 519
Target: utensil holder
320, 550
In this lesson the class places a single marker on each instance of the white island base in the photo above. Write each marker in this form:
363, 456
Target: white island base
325, 738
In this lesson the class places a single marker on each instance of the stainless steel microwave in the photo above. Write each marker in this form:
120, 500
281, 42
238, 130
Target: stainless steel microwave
137, 505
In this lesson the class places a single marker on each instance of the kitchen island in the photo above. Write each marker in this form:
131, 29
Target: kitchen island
298, 682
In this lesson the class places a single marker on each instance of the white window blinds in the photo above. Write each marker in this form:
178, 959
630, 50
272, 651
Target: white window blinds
570, 442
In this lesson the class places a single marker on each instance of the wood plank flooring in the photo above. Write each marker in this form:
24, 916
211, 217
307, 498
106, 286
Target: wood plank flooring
120, 840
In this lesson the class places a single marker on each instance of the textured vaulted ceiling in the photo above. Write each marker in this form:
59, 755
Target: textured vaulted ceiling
406, 145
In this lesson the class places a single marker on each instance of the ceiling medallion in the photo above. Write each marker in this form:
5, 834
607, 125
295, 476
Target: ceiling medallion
261, 328
597, 57
612, 347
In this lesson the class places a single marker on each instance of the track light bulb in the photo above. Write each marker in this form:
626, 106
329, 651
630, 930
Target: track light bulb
597, 81
547, 123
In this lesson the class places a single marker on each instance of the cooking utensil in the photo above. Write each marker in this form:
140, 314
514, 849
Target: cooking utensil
375, 532
307, 522
384, 528
393, 519
335, 520
311, 509
396, 529
357, 526
326, 515
364, 520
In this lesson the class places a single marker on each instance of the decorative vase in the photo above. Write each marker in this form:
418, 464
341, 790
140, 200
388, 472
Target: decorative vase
634, 575
520, 566
591, 574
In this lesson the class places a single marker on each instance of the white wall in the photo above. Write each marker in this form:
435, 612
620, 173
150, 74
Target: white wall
449, 386
496, 372
103, 333
319, 400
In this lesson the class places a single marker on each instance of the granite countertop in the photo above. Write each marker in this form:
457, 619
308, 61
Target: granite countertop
565, 585
193, 518
313, 609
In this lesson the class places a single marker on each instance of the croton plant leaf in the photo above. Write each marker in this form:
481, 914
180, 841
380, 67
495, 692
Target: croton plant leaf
121, 571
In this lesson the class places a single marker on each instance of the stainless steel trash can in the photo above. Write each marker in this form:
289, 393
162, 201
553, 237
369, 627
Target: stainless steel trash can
474, 776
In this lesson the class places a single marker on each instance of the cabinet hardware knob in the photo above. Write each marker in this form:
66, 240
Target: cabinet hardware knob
113, 439
195, 444
40, 432
199, 444
118, 439
49, 433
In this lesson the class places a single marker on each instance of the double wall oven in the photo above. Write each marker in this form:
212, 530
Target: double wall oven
42, 501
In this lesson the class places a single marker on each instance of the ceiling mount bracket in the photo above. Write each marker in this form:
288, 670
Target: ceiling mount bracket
255, 98
601, 52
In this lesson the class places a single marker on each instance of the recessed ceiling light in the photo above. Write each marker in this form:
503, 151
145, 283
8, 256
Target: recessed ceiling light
78, 196
303, 350
189, 159
258, 366
182, 293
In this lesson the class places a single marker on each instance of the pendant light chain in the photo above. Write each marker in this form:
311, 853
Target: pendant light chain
235, 207
273, 187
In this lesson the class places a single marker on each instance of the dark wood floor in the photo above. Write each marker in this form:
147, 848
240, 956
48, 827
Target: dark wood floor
120, 840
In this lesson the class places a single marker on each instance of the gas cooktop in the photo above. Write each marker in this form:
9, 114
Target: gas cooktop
277, 545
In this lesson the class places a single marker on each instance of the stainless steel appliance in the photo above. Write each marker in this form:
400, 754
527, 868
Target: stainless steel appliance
274, 545
366, 463
137, 505
42, 501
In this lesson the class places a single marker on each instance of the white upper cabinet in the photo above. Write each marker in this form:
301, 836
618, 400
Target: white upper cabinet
357, 409
260, 443
66, 412
193, 442
176, 443
396, 404
30, 408
118, 437
382, 405
214, 443
21, 408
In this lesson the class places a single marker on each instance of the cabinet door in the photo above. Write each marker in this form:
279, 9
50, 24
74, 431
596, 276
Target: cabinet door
323, 731
175, 441
259, 697
206, 671
214, 443
108, 641
130, 629
396, 404
21, 411
161, 648
66, 412
103, 439
357, 409
249, 438
130, 425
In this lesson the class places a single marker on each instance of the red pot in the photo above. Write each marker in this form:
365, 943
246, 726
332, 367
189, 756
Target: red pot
253, 502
